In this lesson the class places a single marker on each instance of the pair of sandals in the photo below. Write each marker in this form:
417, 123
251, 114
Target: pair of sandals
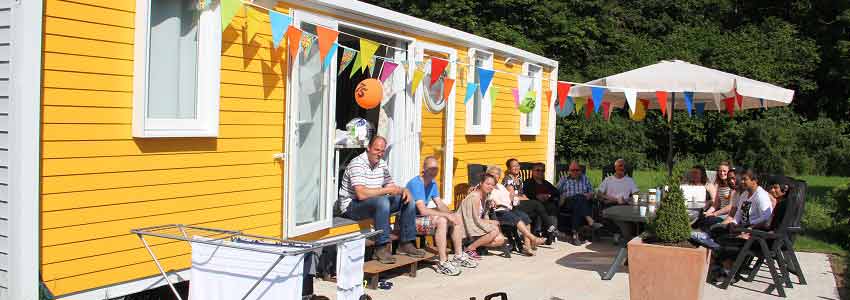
528, 250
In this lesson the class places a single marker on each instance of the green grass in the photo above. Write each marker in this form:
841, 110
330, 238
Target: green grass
809, 244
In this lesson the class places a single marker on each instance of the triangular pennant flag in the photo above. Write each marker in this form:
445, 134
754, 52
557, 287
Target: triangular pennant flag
494, 91
347, 58
356, 65
329, 57
253, 19
717, 99
597, 93
645, 104
387, 70
437, 67
662, 101
448, 86
568, 107
739, 99
372, 66
515, 92
293, 37
587, 110
306, 44
326, 38
367, 50
640, 110
548, 94
484, 78
730, 106
417, 79
700, 109
689, 102
579, 102
229, 8
563, 92
606, 110
470, 91
631, 99
279, 23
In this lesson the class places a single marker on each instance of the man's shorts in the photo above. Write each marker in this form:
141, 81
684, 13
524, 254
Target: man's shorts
426, 225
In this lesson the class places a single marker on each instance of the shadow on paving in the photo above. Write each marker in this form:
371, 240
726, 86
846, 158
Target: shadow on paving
597, 258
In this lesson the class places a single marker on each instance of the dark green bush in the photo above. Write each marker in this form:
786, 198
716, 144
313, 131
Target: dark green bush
671, 222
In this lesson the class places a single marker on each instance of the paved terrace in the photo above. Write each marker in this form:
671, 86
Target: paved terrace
564, 272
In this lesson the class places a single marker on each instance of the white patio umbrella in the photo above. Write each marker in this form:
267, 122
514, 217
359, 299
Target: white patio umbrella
676, 77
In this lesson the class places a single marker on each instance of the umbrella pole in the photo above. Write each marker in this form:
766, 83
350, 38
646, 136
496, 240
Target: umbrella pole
670, 137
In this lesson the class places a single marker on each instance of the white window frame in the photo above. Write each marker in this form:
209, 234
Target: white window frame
205, 123
537, 86
487, 107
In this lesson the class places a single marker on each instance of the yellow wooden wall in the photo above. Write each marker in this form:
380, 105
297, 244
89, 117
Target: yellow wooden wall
98, 182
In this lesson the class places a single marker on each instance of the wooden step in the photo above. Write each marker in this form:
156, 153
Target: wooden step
373, 268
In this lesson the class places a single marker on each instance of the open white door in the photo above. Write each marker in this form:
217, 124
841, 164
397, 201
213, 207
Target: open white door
308, 201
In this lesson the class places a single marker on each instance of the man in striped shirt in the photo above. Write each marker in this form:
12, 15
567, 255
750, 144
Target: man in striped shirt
369, 192
576, 190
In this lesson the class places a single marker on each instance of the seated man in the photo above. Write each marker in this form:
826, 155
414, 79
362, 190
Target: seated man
577, 192
537, 188
617, 189
436, 222
368, 191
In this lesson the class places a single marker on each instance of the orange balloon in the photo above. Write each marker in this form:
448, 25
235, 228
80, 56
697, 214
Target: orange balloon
368, 93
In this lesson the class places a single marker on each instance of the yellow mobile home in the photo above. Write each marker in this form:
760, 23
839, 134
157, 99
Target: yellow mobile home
124, 114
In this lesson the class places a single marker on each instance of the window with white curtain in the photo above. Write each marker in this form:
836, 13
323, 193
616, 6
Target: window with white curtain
529, 123
176, 69
479, 107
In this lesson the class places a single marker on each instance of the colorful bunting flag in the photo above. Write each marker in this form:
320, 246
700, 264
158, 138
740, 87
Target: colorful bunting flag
306, 44
326, 37
579, 103
372, 66
367, 50
437, 67
387, 70
515, 92
329, 57
631, 99
640, 110
347, 57
417, 79
470, 90
606, 110
484, 78
587, 110
568, 108
730, 106
229, 8
662, 101
253, 19
689, 102
548, 94
597, 93
717, 99
494, 91
645, 104
448, 86
700, 109
529, 101
279, 22
293, 37
563, 92
355, 66
738, 97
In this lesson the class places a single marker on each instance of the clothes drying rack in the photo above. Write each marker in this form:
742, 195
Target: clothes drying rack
223, 238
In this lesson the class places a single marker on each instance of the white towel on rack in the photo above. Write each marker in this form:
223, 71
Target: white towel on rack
225, 273
349, 269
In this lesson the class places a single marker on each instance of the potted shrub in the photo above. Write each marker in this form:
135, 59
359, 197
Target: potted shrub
663, 264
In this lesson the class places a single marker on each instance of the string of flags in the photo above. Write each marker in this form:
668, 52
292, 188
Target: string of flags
364, 58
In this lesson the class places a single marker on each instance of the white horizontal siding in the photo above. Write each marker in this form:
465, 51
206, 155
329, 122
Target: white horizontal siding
4, 52
4, 104
4, 140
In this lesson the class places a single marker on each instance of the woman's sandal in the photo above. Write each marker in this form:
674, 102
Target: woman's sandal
526, 250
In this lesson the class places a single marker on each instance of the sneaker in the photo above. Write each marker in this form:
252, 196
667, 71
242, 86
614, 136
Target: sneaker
383, 255
410, 250
472, 254
447, 268
463, 260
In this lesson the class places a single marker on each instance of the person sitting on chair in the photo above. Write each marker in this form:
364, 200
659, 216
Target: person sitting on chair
577, 192
617, 189
538, 189
502, 203
535, 210
368, 191
476, 224
437, 221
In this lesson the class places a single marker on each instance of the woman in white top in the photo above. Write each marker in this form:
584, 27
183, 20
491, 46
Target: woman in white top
502, 202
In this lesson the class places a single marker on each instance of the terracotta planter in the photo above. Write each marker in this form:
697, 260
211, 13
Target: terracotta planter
663, 272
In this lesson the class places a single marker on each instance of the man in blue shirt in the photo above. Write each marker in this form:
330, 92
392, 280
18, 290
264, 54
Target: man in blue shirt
436, 221
576, 190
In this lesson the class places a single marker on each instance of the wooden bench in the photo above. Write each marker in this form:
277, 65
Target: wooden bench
373, 268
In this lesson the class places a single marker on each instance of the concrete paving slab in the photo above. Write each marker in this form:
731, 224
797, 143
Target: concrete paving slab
564, 272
